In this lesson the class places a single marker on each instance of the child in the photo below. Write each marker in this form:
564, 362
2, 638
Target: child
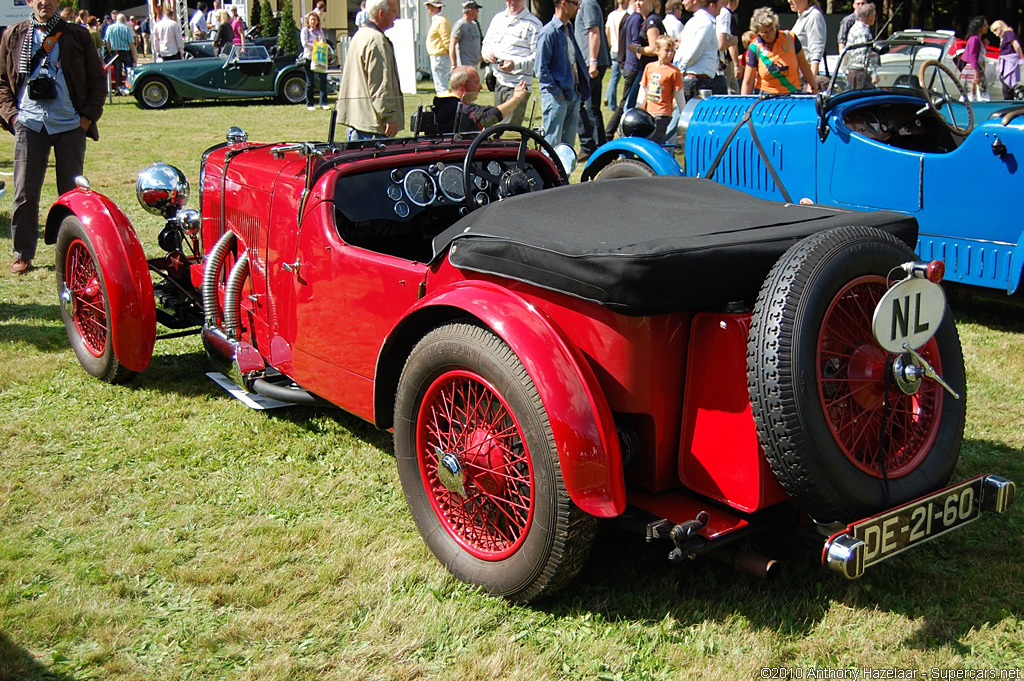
663, 85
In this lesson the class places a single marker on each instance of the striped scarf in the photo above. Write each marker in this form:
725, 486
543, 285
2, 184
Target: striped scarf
27, 50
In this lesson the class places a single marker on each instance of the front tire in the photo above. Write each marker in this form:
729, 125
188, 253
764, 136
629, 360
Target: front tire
154, 93
841, 437
480, 470
85, 303
293, 89
625, 167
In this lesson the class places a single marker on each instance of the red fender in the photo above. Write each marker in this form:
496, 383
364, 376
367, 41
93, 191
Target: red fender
581, 420
125, 271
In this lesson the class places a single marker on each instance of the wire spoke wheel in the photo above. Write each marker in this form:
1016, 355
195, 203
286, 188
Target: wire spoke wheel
88, 309
479, 467
465, 419
879, 428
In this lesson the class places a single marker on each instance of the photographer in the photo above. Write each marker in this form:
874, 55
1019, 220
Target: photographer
52, 86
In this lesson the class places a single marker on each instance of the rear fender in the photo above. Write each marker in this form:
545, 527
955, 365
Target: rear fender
641, 148
124, 268
581, 420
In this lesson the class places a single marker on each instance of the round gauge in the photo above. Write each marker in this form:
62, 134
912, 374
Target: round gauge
420, 187
396, 175
402, 209
494, 168
451, 181
480, 182
482, 199
394, 192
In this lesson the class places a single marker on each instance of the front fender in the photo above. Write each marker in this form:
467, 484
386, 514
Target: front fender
580, 418
1016, 267
642, 148
124, 268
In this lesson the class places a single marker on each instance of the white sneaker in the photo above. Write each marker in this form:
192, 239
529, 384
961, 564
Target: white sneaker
325, 107
310, 108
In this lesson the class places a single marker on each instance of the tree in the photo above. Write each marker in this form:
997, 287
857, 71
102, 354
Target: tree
287, 31
269, 25
255, 16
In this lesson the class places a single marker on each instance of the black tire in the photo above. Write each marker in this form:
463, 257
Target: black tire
292, 89
154, 93
816, 379
625, 167
84, 303
486, 540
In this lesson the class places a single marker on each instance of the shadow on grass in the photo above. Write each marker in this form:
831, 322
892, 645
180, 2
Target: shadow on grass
47, 334
996, 313
18, 663
949, 588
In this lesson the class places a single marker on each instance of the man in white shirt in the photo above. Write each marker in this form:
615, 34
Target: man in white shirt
611, 31
673, 19
697, 53
167, 43
198, 23
728, 50
510, 46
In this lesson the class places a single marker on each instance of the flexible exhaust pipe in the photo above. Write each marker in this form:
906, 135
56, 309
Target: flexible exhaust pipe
233, 294
214, 262
283, 393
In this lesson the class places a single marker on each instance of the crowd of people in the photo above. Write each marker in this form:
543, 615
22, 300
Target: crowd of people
52, 103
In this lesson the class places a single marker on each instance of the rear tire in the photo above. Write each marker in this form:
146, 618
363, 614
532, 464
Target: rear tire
85, 304
465, 400
817, 378
625, 167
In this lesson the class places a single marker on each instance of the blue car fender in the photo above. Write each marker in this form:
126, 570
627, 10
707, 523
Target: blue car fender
1016, 267
639, 148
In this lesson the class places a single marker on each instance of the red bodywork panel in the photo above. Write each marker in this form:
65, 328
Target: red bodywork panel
719, 456
340, 321
122, 263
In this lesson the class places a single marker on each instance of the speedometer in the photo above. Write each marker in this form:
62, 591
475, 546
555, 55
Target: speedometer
420, 187
451, 180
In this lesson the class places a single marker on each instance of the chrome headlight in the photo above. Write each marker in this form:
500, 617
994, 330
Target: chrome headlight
162, 189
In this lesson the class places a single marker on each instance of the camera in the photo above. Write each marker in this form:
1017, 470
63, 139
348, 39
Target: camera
42, 89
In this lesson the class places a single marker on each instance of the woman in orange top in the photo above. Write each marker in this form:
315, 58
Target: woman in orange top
775, 59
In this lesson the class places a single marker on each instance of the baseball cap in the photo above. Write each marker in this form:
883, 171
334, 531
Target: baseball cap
470, 4
434, 3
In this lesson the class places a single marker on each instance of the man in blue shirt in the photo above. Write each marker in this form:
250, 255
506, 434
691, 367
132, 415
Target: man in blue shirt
562, 73
120, 38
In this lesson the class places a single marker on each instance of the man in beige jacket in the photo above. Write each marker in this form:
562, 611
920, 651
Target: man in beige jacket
370, 99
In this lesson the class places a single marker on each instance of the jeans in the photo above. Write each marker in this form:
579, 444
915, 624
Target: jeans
611, 94
560, 115
358, 135
591, 125
31, 156
321, 84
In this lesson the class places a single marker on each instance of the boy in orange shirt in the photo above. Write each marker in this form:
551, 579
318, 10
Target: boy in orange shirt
663, 85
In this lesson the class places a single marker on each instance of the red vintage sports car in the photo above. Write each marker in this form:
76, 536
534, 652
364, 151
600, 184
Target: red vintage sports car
707, 364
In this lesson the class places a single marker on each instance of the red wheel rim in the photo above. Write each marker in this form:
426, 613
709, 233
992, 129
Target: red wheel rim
464, 417
852, 387
88, 309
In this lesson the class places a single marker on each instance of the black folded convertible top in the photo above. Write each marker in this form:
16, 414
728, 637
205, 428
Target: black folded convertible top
644, 246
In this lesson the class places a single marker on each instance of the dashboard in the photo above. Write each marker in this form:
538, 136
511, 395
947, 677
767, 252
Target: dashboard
904, 125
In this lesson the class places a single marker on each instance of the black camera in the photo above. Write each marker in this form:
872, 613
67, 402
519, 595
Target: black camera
42, 89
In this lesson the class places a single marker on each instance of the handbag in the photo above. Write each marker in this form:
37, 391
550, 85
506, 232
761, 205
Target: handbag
318, 60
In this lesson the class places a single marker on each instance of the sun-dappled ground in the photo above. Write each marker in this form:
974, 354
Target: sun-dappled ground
161, 530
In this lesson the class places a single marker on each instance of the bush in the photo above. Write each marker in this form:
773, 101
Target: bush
269, 23
255, 16
287, 32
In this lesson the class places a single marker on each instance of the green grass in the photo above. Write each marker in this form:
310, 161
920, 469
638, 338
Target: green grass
161, 530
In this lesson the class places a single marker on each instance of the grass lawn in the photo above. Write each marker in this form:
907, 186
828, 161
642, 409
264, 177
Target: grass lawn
161, 530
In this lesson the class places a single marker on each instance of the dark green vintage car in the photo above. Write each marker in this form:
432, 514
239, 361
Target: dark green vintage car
248, 71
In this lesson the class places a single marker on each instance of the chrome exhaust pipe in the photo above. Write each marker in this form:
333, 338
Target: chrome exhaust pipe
232, 295
214, 261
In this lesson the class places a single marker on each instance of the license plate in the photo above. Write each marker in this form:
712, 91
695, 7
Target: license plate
898, 529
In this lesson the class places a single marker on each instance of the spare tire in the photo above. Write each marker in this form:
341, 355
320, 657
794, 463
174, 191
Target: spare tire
842, 439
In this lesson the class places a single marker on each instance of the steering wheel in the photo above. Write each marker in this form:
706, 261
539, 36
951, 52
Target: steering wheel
939, 100
513, 181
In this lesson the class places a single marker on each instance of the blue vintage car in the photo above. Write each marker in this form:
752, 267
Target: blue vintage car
247, 71
915, 145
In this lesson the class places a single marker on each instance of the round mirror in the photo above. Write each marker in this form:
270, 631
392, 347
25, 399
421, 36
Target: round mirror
567, 156
162, 189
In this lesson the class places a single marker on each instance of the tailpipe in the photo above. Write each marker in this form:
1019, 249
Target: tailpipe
751, 562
